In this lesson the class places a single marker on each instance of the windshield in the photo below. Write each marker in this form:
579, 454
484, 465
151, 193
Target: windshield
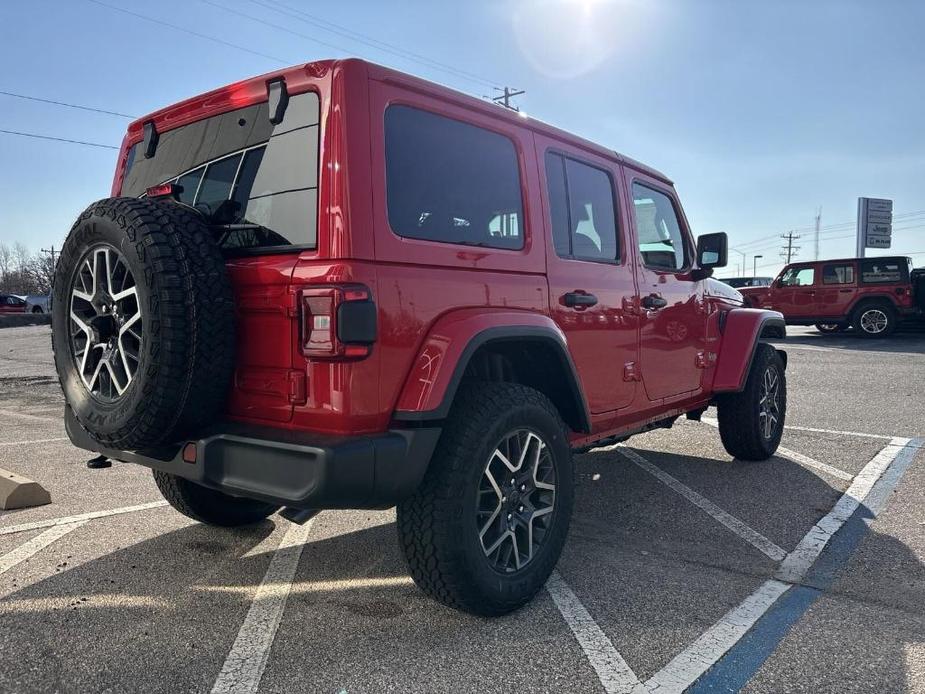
242, 171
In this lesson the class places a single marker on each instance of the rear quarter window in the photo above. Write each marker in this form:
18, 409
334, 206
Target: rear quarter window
451, 182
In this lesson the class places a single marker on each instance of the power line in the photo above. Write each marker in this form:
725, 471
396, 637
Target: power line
370, 41
64, 103
57, 139
192, 33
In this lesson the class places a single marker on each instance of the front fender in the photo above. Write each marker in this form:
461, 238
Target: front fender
741, 332
431, 385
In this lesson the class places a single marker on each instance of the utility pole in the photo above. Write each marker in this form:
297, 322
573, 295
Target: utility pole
505, 98
790, 250
50, 251
743, 260
816, 236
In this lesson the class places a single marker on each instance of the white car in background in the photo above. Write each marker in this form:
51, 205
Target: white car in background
38, 303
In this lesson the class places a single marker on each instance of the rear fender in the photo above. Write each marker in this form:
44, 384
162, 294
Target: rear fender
741, 333
441, 362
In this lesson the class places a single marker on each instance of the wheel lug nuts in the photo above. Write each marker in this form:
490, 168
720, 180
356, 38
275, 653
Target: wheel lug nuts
520, 509
523, 487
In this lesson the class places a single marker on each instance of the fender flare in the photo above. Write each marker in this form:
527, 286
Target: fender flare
741, 333
441, 362
875, 298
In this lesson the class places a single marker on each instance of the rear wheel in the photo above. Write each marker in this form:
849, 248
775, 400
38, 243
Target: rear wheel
875, 320
487, 525
208, 505
751, 422
830, 328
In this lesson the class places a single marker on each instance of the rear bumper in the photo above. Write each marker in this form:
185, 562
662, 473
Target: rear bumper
309, 471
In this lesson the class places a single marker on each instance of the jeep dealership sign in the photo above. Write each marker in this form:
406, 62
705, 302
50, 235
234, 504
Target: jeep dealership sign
875, 223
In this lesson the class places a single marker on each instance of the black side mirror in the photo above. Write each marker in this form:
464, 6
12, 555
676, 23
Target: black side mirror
712, 250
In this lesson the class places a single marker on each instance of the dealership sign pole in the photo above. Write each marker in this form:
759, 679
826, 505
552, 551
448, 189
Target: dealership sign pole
875, 224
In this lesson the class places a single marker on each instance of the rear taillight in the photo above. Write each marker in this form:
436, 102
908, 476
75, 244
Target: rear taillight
337, 322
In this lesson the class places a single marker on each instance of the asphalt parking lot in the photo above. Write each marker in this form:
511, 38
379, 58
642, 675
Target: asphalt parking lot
683, 569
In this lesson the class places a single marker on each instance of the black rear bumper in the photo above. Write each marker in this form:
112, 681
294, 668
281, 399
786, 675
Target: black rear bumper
309, 471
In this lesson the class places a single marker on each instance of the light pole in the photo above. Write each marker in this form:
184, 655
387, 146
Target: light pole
755, 265
743, 258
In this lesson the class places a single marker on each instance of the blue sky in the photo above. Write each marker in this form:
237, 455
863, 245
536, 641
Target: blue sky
760, 112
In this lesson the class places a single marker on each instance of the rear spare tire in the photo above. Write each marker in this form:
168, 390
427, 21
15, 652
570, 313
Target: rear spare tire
142, 322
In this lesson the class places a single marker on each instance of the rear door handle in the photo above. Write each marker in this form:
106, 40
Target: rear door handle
653, 302
579, 299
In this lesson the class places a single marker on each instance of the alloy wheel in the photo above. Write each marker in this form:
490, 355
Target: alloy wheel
874, 321
769, 403
106, 323
516, 500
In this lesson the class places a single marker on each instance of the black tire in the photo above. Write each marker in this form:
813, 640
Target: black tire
185, 347
831, 328
742, 427
438, 527
874, 319
208, 505
37, 309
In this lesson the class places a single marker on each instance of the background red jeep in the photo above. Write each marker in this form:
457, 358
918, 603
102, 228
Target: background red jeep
872, 295
338, 286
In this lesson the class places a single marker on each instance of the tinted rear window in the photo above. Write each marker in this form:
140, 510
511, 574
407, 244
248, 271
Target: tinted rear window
884, 271
265, 177
451, 182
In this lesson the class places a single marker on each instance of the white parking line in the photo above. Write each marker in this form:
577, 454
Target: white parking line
813, 463
22, 527
685, 668
797, 563
27, 443
615, 675
247, 659
693, 661
750, 535
35, 545
714, 423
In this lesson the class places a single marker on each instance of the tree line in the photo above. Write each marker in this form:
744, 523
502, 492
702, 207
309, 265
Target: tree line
24, 272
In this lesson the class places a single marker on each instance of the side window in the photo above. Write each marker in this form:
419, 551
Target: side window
798, 277
838, 274
661, 241
581, 210
451, 182
877, 271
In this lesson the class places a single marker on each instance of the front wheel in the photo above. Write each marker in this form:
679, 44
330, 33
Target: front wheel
487, 525
830, 328
209, 505
751, 423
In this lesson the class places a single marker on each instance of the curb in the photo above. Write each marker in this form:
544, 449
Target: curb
17, 491
22, 319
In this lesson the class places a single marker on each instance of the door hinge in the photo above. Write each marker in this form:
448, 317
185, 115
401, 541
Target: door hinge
630, 373
298, 390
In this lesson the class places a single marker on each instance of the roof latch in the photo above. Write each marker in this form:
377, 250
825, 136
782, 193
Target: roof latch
151, 138
278, 100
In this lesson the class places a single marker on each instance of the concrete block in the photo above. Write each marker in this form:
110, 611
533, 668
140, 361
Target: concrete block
17, 491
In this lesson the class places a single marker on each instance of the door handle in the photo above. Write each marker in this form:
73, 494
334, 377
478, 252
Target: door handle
653, 302
579, 299
845, 291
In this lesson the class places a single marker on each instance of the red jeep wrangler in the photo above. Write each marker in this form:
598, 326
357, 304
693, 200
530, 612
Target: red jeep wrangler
338, 286
872, 295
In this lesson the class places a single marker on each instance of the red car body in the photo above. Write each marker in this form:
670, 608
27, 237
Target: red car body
837, 291
11, 304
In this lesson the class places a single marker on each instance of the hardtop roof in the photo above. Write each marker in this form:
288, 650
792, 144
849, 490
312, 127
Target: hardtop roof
217, 101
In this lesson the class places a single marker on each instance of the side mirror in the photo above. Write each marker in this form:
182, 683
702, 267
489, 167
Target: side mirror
712, 250
711, 253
